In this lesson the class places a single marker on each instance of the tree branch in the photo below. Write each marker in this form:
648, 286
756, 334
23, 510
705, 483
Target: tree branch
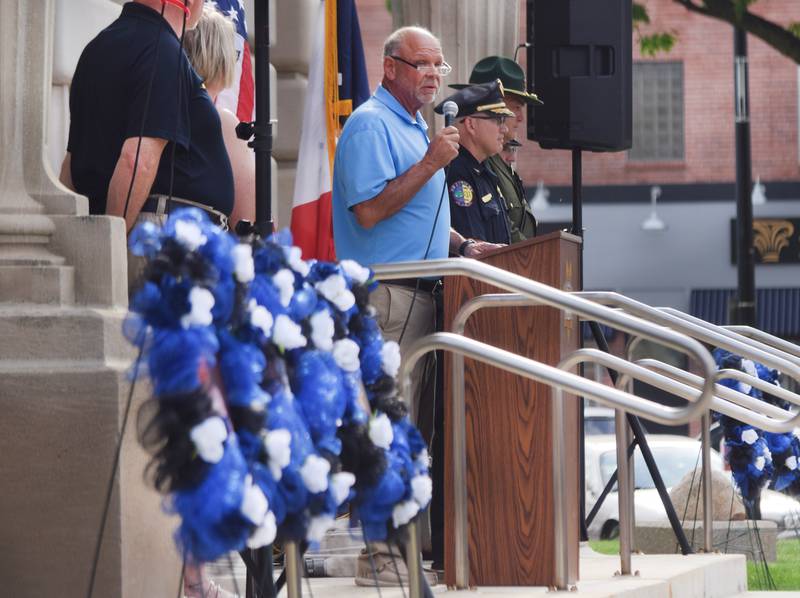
780, 38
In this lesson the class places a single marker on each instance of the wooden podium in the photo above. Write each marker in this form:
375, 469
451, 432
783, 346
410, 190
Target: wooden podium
509, 435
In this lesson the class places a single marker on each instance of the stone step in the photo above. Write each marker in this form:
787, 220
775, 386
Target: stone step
657, 576
46, 334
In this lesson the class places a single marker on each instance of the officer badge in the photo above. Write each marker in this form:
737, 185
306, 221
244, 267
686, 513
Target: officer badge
462, 193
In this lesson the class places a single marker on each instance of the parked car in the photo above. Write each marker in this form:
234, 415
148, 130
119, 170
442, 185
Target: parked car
675, 457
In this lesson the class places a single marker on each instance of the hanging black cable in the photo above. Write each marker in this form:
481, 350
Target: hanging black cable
114, 468
144, 114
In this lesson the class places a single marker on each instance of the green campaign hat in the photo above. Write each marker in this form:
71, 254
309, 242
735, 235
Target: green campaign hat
509, 72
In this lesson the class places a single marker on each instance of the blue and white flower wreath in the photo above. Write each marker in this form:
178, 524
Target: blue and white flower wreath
275, 400
757, 458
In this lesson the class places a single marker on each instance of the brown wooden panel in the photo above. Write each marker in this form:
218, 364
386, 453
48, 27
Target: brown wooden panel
509, 436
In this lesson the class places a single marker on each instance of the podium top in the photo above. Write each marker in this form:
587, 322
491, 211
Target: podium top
549, 237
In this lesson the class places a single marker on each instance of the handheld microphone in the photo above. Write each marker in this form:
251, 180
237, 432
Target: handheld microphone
450, 110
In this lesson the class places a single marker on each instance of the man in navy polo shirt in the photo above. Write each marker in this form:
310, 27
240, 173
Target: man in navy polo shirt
137, 107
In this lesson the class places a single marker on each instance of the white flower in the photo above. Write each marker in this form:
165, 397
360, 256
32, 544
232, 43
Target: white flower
209, 439
287, 334
254, 504
279, 448
284, 280
749, 368
380, 431
315, 474
749, 436
422, 489
760, 462
345, 353
295, 258
423, 459
200, 303
244, 268
322, 329
791, 463
265, 533
356, 271
340, 486
334, 289
260, 317
390, 358
189, 235
404, 512
318, 526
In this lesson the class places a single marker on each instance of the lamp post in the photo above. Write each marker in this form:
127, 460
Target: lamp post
743, 310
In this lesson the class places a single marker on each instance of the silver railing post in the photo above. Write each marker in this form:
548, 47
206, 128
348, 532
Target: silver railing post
459, 430
708, 512
624, 492
560, 524
293, 570
414, 562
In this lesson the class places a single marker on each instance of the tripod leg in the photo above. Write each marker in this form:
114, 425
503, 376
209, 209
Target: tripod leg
639, 437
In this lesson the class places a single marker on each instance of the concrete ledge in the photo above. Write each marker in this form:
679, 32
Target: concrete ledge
734, 537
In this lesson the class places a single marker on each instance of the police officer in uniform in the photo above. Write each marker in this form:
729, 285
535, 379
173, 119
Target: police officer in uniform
521, 220
477, 207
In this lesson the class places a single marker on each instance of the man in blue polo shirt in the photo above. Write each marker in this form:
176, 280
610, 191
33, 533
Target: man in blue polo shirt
390, 204
136, 108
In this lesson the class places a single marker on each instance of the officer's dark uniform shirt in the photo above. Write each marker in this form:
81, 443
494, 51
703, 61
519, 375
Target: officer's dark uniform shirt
108, 100
476, 206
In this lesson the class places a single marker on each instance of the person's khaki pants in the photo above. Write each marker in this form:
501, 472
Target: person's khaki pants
392, 303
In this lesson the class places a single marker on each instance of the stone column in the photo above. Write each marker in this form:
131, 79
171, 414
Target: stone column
28, 269
468, 29
63, 362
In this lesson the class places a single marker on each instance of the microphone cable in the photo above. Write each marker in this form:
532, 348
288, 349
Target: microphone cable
449, 119
179, 94
424, 257
145, 110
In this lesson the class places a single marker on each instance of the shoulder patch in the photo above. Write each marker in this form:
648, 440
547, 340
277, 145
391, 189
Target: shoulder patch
462, 193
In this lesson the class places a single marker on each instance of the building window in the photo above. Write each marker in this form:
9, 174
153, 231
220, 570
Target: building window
657, 111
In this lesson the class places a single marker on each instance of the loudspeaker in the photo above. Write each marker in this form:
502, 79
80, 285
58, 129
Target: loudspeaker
580, 64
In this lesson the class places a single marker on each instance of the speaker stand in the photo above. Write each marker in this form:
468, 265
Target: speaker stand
577, 229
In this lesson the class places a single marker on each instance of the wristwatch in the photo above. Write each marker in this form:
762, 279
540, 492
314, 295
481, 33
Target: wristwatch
463, 247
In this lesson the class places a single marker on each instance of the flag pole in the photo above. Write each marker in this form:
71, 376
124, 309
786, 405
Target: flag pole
262, 127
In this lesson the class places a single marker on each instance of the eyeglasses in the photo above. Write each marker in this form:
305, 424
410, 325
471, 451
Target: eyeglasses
443, 69
499, 119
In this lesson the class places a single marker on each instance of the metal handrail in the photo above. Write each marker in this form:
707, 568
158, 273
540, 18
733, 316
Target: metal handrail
550, 296
728, 401
545, 295
705, 332
561, 381
765, 338
756, 339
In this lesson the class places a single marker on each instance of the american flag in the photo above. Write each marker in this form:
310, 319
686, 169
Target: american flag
239, 99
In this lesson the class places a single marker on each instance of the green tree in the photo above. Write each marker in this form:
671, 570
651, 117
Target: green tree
785, 39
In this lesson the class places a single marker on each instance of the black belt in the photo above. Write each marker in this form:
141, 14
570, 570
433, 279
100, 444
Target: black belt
162, 204
427, 285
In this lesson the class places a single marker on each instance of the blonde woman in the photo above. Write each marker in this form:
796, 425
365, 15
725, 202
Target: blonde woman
211, 48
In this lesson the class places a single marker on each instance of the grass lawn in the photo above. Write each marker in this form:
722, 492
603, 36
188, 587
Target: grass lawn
785, 571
